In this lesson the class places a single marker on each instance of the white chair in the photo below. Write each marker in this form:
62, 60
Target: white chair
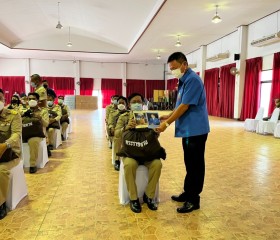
42, 155
268, 127
141, 183
251, 124
277, 131
69, 129
17, 187
57, 138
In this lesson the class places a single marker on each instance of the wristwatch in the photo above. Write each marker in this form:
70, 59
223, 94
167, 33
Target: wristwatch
166, 124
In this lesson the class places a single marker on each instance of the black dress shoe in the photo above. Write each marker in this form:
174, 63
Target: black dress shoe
3, 211
135, 206
32, 169
51, 147
188, 207
49, 151
62, 137
179, 198
117, 165
150, 202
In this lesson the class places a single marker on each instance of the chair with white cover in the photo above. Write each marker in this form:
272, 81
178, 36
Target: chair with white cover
69, 129
277, 131
57, 138
268, 127
251, 124
42, 154
141, 183
17, 187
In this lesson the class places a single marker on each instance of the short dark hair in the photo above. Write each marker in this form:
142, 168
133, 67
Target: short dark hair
45, 81
36, 77
123, 98
22, 95
15, 96
36, 95
177, 56
134, 95
51, 95
1, 90
114, 96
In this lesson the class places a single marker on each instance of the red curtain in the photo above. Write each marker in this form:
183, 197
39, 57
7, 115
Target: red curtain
172, 84
275, 87
211, 81
251, 94
11, 85
152, 85
110, 87
86, 86
135, 86
61, 85
226, 92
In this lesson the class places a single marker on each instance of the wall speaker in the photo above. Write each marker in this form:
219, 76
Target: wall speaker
236, 57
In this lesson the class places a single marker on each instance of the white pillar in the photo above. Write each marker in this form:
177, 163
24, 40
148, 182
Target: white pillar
27, 76
241, 65
123, 72
202, 65
77, 77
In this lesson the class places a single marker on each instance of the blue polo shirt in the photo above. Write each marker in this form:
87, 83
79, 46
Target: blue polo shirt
194, 121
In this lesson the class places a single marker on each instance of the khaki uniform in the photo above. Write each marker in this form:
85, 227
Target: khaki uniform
55, 108
64, 110
42, 93
23, 108
110, 109
10, 128
131, 165
34, 142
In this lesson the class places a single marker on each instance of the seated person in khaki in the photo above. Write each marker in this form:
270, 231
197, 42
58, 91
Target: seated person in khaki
125, 123
15, 103
112, 121
54, 120
64, 120
34, 123
10, 133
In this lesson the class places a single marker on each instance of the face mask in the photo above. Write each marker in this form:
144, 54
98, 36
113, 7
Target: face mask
115, 102
33, 84
45, 86
50, 103
14, 101
136, 107
60, 101
1, 105
177, 73
32, 103
121, 107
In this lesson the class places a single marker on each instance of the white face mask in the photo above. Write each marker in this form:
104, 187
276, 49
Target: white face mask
1, 105
50, 103
33, 84
136, 107
60, 101
121, 107
32, 103
177, 73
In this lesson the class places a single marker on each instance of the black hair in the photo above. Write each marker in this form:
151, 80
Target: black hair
115, 96
45, 81
49, 94
123, 98
36, 77
177, 56
1, 90
22, 95
134, 95
36, 95
16, 96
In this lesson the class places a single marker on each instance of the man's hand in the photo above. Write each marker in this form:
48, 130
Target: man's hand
52, 120
112, 131
131, 124
3, 148
161, 128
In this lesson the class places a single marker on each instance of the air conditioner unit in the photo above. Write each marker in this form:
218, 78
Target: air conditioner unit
218, 57
266, 40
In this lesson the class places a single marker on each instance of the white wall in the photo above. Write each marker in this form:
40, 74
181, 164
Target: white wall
12, 67
145, 71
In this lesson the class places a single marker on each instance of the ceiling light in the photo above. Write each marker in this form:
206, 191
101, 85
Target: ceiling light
69, 44
58, 26
178, 43
158, 55
216, 18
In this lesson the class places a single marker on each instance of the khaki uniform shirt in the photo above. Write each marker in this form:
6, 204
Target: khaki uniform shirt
65, 108
122, 122
113, 118
23, 108
56, 108
11, 128
43, 114
109, 109
42, 92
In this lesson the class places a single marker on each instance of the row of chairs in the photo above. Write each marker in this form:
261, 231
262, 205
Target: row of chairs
272, 126
18, 187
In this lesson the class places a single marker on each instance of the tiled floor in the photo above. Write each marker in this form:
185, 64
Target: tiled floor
76, 195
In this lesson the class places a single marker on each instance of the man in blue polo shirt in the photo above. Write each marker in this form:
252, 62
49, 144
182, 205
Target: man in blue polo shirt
192, 125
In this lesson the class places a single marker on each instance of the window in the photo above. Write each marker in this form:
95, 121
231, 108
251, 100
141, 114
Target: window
266, 81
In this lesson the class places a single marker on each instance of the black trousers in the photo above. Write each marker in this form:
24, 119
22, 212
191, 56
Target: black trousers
194, 149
